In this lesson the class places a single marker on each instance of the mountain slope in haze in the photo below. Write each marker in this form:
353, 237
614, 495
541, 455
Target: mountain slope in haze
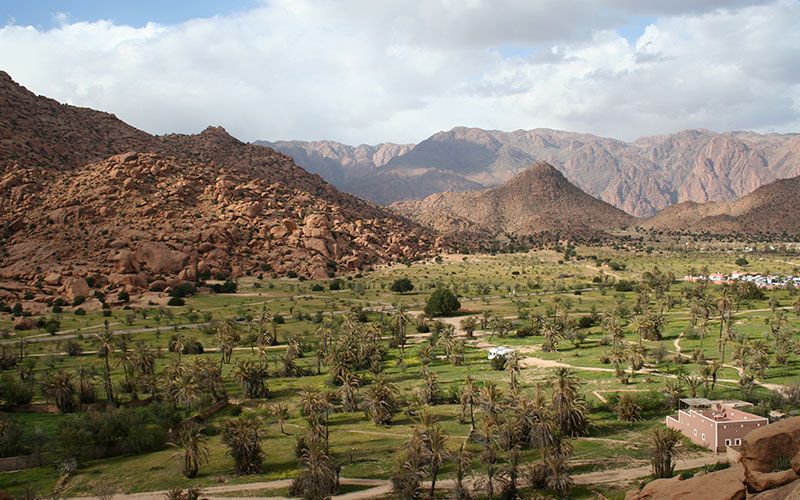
39, 132
175, 206
640, 177
540, 200
772, 208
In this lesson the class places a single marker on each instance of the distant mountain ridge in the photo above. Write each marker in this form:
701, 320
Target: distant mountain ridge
640, 177
537, 201
773, 208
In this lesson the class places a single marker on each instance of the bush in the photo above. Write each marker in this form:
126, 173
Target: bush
12, 438
78, 300
402, 285
80, 312
586, 322
227, 287
176, 301
183, 290
14, 392
499, 363
123, 296
335, 285
442, 302
741, 261
317, 288
192, 346
73, 348
623, 286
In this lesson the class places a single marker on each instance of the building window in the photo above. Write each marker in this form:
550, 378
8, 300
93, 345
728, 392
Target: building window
738, 441
727, 442
703, 437
695, 432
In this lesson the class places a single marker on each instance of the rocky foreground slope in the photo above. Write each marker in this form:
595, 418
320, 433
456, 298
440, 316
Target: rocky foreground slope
86, 199
538, 201
755, 476
640, 177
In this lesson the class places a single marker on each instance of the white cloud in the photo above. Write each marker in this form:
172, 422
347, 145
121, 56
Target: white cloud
365, 71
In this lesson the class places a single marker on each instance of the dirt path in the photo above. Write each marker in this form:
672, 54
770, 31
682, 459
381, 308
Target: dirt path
380, 487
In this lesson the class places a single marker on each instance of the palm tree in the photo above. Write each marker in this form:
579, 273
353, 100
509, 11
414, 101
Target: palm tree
184, 391
348, 391
638, 324
491, 399
401, 319
469, 324
569, 408
627, 409
281, 413
226, 337
436, 453
558, 478
191, 439
636, 357
673, 390
319, 474
58, 386
242, 436
381, 400
462, 459
693, 383
513, 368
104, 343
665, 444
468, 396
86, 377
252, 377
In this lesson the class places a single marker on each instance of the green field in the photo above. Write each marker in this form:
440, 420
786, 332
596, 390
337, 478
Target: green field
530, 290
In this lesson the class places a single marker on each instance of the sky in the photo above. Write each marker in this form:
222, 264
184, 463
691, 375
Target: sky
366, 71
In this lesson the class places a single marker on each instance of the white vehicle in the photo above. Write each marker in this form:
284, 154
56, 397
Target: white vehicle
500, 351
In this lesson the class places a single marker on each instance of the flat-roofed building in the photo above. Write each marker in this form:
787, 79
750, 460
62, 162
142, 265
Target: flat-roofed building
714, 424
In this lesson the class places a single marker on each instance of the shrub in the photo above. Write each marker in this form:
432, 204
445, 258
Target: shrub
317, 288
176, 301
402, 285
14, 392
12, 438
335, 285
499, 363
442, 303
227, 287
78, 300
73, 348
123, 296
183, 290
741, 261
80, 312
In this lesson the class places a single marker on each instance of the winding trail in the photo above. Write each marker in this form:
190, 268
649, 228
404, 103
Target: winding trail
380, 487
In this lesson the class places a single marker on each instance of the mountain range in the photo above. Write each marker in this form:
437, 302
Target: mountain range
639, 177
86, 198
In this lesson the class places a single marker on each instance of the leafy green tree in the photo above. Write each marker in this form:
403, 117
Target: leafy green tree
442, 302
402, 285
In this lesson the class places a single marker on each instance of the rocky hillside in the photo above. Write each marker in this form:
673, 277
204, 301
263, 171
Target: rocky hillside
39, 132
177, 206
639, 177
773, 208
538, 201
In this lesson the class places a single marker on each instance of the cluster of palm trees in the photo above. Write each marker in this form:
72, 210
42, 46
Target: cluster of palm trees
505, 426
